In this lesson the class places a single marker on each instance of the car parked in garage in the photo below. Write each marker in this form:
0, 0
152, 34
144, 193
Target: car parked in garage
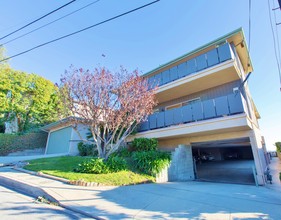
203, 157
207, 156
231, 155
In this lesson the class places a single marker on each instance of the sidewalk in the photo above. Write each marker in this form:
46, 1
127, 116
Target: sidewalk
275, 169
13, 159
187, 200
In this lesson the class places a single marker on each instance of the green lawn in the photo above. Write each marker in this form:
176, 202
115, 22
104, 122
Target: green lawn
63, 167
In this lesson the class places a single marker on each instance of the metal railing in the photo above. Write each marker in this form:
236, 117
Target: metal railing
196, 64
197, 111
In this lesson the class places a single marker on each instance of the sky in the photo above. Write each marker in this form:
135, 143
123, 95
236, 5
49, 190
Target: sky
145, 39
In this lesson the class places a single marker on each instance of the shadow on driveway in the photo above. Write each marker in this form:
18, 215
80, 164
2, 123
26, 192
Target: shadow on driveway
191, 200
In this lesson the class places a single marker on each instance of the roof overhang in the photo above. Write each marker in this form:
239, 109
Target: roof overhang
257, 114
59, 124
235, 37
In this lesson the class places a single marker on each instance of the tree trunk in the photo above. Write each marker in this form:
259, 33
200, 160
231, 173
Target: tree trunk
11, 125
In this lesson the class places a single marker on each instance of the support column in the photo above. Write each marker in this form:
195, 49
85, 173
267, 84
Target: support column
259, 159
181, 168
46, 148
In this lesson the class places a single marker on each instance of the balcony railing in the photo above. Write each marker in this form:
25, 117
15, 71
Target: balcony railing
201, 110
203, 61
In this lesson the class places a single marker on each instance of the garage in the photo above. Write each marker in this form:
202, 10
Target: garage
227, 161
58, 141
63, 138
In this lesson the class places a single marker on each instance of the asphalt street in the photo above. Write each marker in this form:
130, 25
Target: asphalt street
18, 206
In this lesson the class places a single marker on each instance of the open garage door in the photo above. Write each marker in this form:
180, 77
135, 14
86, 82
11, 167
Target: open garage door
228, 161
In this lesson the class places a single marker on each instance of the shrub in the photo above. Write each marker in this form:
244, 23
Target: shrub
145, 144
123, 152
95, 165
116, 164
87, 149
151, 162
100, 166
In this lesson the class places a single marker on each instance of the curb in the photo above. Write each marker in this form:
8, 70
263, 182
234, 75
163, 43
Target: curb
35, 192
80, 212
25, 188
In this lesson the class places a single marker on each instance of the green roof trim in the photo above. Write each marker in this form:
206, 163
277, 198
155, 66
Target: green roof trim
214, 42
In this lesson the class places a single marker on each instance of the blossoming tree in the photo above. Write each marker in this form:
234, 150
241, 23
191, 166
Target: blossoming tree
110, 104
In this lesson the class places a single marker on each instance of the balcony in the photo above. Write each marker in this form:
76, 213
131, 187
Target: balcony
211, 58
202, 110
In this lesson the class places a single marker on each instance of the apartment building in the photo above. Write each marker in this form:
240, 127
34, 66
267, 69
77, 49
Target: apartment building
206, 116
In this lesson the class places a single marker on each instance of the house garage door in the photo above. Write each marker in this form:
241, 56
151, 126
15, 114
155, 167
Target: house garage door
59, 141
224, 161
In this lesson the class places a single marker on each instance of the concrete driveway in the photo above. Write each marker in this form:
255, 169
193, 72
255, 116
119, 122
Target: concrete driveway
191, 200
227, 171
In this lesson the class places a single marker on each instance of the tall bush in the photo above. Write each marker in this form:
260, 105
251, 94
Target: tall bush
145, 144
151, 162
116, 164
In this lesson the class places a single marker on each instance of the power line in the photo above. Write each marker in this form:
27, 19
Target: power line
274, 42
81, 30
250, 6
249, 43
277, 35
36, 29
32, 22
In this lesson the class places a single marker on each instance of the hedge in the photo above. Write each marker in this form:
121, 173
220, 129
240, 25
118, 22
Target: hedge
10, 143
